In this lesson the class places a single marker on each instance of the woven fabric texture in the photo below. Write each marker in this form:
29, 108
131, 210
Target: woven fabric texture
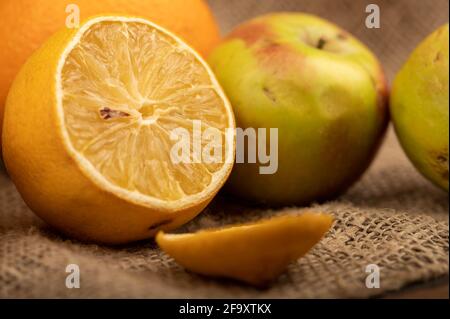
392, 217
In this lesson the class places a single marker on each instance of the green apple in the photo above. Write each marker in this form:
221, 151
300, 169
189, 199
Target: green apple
419, 107
324, 91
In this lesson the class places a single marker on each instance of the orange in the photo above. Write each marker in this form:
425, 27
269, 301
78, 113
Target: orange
26, 24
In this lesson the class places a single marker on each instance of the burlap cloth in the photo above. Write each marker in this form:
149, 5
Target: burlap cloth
392, 217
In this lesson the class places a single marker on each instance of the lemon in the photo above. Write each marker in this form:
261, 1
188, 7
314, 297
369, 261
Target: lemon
254, 253
88, 130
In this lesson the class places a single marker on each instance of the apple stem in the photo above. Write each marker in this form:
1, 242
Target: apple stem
321, 43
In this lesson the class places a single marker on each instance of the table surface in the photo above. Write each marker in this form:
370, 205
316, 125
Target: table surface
435, 289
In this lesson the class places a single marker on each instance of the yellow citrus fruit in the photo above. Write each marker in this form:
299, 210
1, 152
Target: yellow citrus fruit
88, 130
26, 24
253, 253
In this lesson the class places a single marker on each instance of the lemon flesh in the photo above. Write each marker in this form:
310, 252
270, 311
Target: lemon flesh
126, 86
254, 253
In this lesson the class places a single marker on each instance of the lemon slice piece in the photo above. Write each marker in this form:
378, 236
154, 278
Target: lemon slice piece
92, 122
253, 253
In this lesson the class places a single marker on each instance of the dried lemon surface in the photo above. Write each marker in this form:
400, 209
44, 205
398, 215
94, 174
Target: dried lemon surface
253, 253
88, 130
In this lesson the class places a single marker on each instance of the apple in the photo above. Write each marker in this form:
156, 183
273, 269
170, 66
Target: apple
419, 107
321, 88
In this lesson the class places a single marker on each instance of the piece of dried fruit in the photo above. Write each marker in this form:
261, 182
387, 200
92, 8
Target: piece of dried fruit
254, 253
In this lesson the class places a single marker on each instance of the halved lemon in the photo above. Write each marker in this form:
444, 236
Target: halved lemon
254, 253
89, 131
